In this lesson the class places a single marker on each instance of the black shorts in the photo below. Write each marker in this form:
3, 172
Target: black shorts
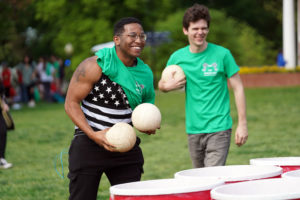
88, 161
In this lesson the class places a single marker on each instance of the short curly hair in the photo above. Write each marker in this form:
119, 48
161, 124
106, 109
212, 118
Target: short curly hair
119, 25
195, 13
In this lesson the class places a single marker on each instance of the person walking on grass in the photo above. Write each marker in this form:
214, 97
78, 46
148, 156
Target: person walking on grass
207, 67
104, 90
3, 129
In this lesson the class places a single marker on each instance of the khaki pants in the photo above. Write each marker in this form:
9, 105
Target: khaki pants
209, 149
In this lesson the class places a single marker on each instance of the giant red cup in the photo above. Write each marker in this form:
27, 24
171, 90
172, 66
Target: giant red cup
286, 163
165, 189
292, 174
232, 173
267, 189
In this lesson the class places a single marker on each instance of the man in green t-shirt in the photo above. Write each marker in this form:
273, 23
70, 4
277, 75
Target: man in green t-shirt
207, 68
103, 91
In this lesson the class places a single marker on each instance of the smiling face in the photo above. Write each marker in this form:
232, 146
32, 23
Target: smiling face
197, 33
130, 43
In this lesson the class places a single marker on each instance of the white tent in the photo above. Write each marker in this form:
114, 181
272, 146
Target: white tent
101, 46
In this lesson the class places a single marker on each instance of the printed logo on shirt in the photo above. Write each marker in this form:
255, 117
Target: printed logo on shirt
210, 70
139, 87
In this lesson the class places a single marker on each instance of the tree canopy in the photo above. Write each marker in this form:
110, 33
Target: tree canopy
250, 28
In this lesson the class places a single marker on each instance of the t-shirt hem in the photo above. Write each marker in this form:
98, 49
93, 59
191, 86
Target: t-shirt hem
207, 131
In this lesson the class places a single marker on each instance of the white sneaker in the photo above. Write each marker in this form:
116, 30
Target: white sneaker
16, 106
4, 164
31, 104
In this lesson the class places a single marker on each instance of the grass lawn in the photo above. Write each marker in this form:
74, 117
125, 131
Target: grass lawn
42, 133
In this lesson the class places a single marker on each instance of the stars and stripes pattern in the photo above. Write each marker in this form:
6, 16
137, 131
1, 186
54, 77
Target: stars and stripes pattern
108, 94
106, 104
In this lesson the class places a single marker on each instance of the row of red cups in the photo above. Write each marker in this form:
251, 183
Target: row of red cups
259, 180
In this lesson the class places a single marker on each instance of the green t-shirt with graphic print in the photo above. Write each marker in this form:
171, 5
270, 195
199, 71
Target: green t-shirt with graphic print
136, 81
207, 104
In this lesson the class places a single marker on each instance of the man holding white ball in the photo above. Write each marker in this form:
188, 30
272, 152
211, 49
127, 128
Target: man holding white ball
207, 67
103, 91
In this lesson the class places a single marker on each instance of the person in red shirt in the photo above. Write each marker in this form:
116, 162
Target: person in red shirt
6, 78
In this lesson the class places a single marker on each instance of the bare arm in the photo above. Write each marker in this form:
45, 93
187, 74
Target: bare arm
241, 134
5, 107
172, 84
83, 79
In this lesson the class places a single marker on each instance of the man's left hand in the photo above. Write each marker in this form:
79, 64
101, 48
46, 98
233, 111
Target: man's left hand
241, 135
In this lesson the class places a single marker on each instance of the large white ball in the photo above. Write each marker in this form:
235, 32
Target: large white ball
146, 117
122, 136
172, 72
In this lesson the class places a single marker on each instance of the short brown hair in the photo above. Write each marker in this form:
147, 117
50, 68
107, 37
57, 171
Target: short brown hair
195, 13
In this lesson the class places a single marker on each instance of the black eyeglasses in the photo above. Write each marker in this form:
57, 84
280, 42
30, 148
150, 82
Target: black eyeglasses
134, 36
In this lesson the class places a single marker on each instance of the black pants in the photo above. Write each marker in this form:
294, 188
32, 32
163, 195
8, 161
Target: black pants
88, 161
47, 91
29, 91
3, 136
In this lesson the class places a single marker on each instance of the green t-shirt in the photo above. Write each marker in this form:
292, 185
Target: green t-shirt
137, 81
144, 77
207, 96
56, 66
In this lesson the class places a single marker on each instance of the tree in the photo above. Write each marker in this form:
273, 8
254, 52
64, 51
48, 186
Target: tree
88, 22
246, 45
15, 17
264, 16
85, 23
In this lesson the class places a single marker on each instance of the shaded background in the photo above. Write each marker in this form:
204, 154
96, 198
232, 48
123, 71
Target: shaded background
251, 29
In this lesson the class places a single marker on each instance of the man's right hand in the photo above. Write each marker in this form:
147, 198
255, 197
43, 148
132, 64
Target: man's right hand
100, 138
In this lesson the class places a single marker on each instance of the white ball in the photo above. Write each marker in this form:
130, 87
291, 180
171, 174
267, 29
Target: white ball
172, 72
68, 48
146, 117
122, 136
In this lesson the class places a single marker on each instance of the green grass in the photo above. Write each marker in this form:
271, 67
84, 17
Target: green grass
45, 131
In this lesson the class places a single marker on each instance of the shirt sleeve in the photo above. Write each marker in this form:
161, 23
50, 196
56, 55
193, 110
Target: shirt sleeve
231, 67
171, 60
149, 96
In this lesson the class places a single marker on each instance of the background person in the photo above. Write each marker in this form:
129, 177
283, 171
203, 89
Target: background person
6, 79
3, 130
108, 86
28, 72
280, 59
207, 67
47, 78
56, 64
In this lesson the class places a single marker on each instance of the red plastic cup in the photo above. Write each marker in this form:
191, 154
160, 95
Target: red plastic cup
292, 174
286, 163
232, 173
165, 189
267, 189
